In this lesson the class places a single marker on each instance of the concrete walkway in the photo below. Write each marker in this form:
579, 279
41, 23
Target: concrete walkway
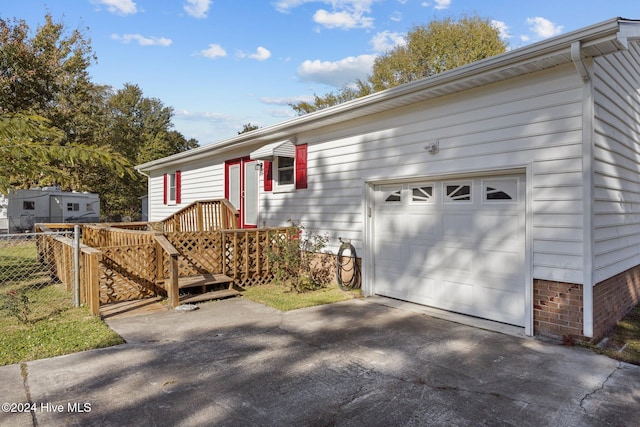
357, 363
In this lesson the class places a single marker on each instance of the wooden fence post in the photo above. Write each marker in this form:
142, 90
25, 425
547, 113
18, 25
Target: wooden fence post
173, 291
93, 283
172, 285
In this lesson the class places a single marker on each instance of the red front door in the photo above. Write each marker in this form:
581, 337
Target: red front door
241, 189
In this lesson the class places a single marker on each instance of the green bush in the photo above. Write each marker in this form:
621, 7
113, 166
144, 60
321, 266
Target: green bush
299, 259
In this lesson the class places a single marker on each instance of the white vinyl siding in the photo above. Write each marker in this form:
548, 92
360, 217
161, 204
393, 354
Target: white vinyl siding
199, 181
533, 121
616, 163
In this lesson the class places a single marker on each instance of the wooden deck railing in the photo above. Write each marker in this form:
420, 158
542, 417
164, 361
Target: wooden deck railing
103, 235
120, 264
203, 215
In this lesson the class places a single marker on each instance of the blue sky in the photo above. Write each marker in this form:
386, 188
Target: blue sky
223, 63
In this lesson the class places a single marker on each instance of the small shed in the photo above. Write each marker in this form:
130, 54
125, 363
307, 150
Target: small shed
506, 189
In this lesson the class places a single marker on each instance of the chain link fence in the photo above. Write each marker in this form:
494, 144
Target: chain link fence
30, 289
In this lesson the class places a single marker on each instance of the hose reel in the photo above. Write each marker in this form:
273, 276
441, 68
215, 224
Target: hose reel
347, 268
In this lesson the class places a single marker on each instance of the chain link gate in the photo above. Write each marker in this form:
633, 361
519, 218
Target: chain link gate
30, 289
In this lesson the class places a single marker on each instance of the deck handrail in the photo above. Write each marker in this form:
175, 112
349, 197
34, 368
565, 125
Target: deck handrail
203, 215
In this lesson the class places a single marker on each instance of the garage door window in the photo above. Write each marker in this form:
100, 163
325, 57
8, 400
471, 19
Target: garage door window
393, 196
458, 192
500, 190
422, 194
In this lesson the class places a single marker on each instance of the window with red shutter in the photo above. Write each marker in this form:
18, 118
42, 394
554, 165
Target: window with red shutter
268, 176
301, 166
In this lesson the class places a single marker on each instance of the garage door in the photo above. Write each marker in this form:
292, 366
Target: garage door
457, 245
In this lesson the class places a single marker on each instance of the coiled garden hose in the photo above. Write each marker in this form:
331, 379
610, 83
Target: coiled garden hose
347, 266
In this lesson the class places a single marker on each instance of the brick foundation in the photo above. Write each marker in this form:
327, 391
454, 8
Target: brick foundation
557, 309
613, 298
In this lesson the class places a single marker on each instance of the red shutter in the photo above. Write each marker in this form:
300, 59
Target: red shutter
268, 177
165, 189
301, 166
178, 187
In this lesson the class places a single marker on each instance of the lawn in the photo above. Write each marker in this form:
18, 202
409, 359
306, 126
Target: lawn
624, 342
284, 299
37, 317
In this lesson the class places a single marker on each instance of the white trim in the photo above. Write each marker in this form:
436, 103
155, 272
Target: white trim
528, 251
367, 266
588, 118
275, 176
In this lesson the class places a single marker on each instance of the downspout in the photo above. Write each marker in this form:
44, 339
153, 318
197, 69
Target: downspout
588, 118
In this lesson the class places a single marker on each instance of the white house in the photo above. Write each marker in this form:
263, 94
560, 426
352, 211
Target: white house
507, 189
21, 209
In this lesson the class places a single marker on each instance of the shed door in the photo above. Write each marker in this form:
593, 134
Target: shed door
457, 245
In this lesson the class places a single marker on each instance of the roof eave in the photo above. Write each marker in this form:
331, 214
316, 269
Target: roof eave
598, 39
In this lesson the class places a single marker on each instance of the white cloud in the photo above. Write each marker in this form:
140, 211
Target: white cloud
260, 54
396, 16
213, 51
442, 4
344, 19
283, 6
502, 28
197, 8
543, 27
187, 115
386, 40
336, 73
142, 40
121, 7
287, 100
344, 14
281, 113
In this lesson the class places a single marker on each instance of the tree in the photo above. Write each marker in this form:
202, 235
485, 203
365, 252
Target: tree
43, 73
58, 127
248, 127
429, 50
346, 93
139, 128
31, 154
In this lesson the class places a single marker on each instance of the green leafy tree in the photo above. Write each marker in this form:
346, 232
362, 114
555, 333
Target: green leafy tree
430, 49
139, 128
31, 154
58, 127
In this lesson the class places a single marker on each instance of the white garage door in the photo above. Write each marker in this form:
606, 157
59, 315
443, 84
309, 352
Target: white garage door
457, 245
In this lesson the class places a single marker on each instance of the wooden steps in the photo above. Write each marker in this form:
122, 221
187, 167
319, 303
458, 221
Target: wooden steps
210, 287
203, 280
208, 296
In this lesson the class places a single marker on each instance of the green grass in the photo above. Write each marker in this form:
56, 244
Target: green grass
283, 299
37, 317
53, 329
624, 342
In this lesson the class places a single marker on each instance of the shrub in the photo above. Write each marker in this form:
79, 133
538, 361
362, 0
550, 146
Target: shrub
16, 303
299, 259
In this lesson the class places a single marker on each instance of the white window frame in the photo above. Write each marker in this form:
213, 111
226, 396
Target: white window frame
277, 185
171, 188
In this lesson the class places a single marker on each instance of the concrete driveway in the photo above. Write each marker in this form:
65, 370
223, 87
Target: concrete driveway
357, 363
